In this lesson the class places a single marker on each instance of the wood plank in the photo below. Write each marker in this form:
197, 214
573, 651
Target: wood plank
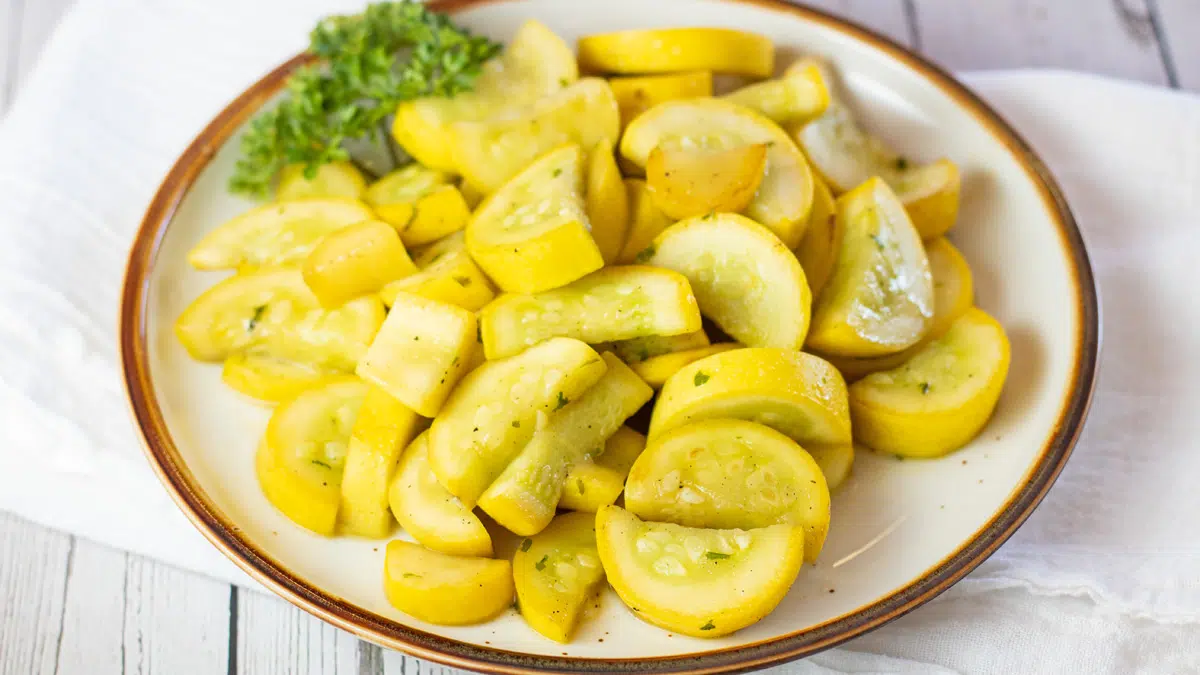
1110, 38
34, 563
10, 24
276, 637
1178, 23
175, 621
396, 663
93, 618
883, 16
38, 19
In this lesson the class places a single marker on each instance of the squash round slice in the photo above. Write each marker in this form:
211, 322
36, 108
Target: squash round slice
798, 97
535, 64
656, 370
818, 251
444, 589
730, 474
615, 303
686, 183
336, 179
301, 459
638, 349
420, 203
271, 311
491, 151
275, 233
636, 95
271, 380
785, 194
646, 221
607, 203
453, 278
556, 573
953, 295
533, 234
424, 256
434, 517
381, 431
880, 298
846, 156
798, 394
354, 261
941, 398
597, 481
670, 50
493, 412
697, 582
836, 460
744, 278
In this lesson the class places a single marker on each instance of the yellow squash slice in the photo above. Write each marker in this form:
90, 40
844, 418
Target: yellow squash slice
656, 370
335, 179
835, 459
383, 428
301, 459
798, 394
270, 311
275, 233
744, 278
615, 303
638, 349
693, 182
607, 203
785, 194
422, 204
693, 581
424, 256
818, 251
533, 234
535, 64
556, 573
636, 95
524, 497
434, 517
941, 398
646, 221
730, 474
355, 261
271, 380
798, 97
490, 152
421, 351
597, 481
670, 50
453, 278
953, 295
445, 589
880, 298
494, 411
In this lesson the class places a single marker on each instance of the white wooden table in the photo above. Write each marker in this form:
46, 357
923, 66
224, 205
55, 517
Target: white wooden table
70, 606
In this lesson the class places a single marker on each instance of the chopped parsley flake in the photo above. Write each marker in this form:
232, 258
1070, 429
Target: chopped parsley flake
541, 564
878, 242
708, 626
562, 401
715, 555
516, 424
526, 544
410, 575
579, 484
253, 321
701, 378
320, 463
645, 254
463, 281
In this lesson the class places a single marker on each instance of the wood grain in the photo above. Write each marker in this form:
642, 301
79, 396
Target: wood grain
1179, 29
174, 621
34, 563
274, 637
1111, 38
92, 638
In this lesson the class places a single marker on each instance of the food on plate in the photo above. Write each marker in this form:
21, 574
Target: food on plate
422, 204
336, 179
301, 459
743, 277
617, 303
637, 94
835, 459
638, 349
270, 311
433, 516
607, 203
798, 97
355, 261
646, 221
696, 581
693, 182
941, 397
523, 498
495, 410
880, 297
381, 431
421, 351
270, 380
784, 195
533, 234
491, 151
597, 481
672, 50
453, 278
656, 370
443, 589
798, 394
424, 256
730, 474
557, 572
818, 250
274, 234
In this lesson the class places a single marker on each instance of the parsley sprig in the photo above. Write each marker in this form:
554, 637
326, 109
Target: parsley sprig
366, 65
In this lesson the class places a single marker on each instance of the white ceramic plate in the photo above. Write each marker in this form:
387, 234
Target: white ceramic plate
942, 517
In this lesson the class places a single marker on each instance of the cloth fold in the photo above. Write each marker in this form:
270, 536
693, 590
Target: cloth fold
1106, 573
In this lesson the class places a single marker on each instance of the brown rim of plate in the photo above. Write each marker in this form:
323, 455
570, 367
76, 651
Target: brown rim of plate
227, 537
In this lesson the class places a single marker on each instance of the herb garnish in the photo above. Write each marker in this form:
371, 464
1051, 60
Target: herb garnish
526, 544
700, 378
708, 626
562, 401
541, 564
715, 555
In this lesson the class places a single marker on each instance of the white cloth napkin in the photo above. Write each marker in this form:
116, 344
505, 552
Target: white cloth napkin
1104, 578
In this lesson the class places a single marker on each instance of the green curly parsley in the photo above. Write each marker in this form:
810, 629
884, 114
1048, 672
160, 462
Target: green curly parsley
366, 65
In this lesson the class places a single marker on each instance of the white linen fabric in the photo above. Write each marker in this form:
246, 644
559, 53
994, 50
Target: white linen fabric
1105, 576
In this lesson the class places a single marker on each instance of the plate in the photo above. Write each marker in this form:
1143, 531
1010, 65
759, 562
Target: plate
902, 532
